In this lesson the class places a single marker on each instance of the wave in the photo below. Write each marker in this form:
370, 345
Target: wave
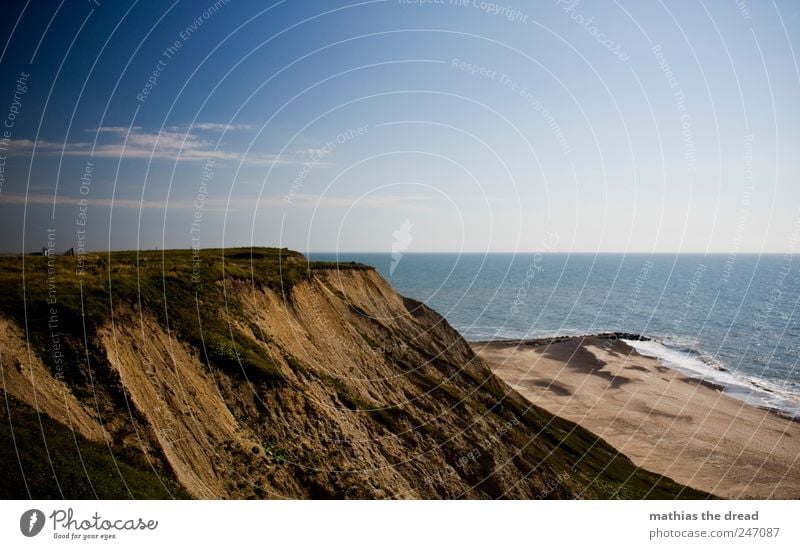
697, 364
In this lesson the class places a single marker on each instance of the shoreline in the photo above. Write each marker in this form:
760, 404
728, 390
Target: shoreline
682, 427
626, 337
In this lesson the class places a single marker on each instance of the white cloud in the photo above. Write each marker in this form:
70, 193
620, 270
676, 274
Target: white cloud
113, 129
210, 205
214, 127
169, 144
418, 203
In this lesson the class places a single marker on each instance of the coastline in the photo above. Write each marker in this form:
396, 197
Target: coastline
680, 426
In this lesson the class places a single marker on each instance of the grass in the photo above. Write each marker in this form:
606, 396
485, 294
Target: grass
274, 450
185, 290
55, 471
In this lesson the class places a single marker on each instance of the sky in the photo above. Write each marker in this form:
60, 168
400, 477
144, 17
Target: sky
431, 126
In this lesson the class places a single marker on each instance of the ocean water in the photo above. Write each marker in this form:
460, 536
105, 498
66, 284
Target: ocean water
730, 319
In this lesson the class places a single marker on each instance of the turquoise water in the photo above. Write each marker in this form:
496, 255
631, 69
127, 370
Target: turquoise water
728, 319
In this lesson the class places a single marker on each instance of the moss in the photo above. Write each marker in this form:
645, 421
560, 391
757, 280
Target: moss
295, 364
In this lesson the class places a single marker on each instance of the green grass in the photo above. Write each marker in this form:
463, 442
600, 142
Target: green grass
183, 289
70, 466
188, 294
279, 454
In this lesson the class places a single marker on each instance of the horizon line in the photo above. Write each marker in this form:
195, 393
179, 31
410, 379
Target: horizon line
584, 252
428, 252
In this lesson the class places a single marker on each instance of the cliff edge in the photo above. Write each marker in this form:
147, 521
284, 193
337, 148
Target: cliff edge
254, 373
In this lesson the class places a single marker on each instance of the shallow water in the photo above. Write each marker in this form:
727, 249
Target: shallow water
730, 319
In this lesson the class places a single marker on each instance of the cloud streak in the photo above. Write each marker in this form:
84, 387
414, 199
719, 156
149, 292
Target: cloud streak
214, 127
176, 144
303, 201
124, 203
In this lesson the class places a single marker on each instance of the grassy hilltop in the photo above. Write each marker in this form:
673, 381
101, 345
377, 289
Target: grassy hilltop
183, 288
256, 373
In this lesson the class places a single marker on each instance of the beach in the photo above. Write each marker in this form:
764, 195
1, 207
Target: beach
674, 425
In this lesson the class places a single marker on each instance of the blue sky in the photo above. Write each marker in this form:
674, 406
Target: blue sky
478, 126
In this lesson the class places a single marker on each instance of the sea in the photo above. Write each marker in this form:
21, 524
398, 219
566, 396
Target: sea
732, 320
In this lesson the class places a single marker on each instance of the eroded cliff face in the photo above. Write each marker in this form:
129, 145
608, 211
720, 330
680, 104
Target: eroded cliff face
331, 386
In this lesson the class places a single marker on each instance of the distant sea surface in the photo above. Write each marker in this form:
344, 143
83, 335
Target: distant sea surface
732, 320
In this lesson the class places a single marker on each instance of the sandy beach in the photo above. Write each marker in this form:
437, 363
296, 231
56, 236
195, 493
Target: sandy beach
662, 420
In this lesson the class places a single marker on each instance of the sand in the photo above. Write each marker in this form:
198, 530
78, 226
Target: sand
662, 420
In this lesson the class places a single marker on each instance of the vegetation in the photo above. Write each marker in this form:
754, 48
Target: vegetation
72, 296
190, 293
278, 453
184, 289
70, 466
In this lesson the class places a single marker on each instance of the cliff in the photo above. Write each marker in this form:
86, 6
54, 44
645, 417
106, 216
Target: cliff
254, 373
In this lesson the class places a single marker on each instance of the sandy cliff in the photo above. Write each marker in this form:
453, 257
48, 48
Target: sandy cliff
316, 382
